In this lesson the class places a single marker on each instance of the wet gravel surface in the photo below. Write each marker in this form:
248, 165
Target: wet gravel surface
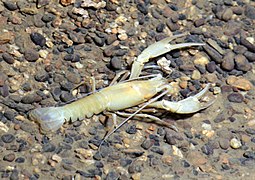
48, 48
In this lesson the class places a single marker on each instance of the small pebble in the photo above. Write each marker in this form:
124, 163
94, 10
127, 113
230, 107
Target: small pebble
239, 83
48, 147
213, 54
12, 6
20, 160
147, 143
228, 61
199, 22
207, 149
116, 63
7, 138
196, 158
8, 58
131, 129
177, 151
211, 67
66, 97
224, 143
247, 44
196, 75
9, 157
42, 76
227, 14
38, 39
250, 56
31, 55
235, 97
242, 63
249, 12
235, 143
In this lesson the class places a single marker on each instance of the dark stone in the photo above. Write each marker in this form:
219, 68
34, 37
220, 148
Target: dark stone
207, 149
75, 58
131, 129
38, 39
92, 130
8, 58
199, 22
219, 118
250, 56
249, 12
250, 131
99, 164
213, 54
227, 14
160, 27
211, 67
9, 157
171, 137
42, 76
110, 6
66, 85
14, 175
142, 8
116, 63
10, 114
31, 55
66, 97
48, 17
20, 160
98, 41
247, 44
235, 97
26, 86
172, 26
7, 138
147, 143
68, 139
249, 154
239, 49
11, 6
111, 38
238, 10
48, 147
224, 143
30, 98
112, 175
41, 3
155, 14
225, 166
185, 164
161, 131
173, 7
182, 17
157, 150
228, 61
125, 162
84, 174
77, 124
242, 63
56, 92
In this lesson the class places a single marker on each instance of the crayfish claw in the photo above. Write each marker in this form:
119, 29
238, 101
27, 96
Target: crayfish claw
186, 106
154, 50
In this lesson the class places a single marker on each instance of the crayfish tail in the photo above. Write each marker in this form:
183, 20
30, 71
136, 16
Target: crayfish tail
49, 118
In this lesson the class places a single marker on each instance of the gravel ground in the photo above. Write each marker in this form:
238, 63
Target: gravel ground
51, 49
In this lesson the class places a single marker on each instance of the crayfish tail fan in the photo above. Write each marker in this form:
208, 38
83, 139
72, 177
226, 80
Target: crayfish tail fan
49, 118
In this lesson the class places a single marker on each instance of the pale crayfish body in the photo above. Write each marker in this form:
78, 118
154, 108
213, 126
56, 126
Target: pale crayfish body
124, 94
